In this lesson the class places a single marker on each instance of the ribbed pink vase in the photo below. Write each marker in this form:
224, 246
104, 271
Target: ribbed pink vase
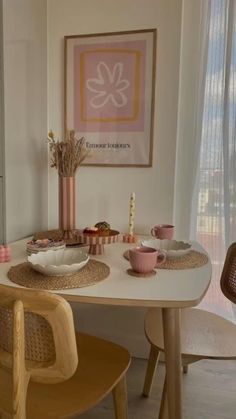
67, 205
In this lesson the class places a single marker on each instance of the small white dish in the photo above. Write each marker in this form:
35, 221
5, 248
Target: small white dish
59, 262
173, 248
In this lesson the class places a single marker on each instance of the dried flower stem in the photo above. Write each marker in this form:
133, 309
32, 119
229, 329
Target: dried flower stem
67, 155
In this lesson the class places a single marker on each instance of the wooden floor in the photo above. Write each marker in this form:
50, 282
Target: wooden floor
209, 392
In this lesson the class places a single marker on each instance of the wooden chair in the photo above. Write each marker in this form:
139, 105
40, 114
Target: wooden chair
48, 371
204, 335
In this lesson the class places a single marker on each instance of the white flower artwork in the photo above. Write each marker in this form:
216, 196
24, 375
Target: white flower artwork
109, 86
110, 95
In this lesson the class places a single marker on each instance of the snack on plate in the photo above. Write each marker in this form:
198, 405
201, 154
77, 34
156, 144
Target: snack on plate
103, 227
91, 230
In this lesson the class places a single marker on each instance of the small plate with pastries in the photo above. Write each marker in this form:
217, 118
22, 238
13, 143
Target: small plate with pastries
102, 228
99, 235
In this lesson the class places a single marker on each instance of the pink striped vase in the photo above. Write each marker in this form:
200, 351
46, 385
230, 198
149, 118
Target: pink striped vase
67, 205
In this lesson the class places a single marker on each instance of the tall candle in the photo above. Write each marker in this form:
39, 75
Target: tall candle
131, 213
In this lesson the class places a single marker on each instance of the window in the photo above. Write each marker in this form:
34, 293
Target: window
215, 221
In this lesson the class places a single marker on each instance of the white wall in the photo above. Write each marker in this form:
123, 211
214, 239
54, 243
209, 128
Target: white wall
103, 193
25, 74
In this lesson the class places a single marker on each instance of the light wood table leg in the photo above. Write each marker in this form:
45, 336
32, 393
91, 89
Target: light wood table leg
171, 329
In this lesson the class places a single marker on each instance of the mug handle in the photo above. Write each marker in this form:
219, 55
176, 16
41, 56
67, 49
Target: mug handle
153, 232
161, 258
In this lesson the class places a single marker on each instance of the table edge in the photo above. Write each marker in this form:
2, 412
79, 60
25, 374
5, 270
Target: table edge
131, 303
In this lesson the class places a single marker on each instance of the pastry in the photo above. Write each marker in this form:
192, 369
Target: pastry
91, 230
103, 227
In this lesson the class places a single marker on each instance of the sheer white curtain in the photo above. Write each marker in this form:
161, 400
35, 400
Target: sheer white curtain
214, 198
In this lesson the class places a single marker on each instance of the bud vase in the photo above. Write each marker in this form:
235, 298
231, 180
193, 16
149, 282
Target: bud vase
67, 205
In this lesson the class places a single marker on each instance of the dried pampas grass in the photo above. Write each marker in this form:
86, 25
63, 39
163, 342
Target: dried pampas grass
67, 155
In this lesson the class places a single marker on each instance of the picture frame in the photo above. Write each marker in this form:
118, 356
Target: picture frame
110, 95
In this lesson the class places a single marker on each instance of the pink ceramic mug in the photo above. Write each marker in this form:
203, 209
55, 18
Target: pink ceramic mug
144, 259
163, 231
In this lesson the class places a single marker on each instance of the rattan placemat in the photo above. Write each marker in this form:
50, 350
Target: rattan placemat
90, 274
193, 259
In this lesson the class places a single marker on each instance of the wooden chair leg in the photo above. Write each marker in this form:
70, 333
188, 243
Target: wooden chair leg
163, 413
20, 375
151, 368
119, 393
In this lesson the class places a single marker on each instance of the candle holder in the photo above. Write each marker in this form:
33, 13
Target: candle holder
131, 237
5, 253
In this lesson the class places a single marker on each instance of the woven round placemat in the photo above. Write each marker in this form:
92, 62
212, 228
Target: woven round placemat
193, 259
90, 274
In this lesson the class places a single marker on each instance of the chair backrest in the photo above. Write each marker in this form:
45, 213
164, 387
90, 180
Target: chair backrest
49, 335
228, 276
37, 340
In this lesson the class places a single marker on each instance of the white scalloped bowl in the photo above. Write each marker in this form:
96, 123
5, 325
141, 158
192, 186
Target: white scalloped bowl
58, 262
173, 248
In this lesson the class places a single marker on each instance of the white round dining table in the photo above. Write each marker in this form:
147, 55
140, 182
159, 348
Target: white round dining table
171, 290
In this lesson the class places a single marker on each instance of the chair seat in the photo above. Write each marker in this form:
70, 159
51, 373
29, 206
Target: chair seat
203, 334
101, 365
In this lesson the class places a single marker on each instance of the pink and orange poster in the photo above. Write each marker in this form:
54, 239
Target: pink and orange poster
109, 87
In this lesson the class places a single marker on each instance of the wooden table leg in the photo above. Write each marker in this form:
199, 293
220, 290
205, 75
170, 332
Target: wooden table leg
171, 329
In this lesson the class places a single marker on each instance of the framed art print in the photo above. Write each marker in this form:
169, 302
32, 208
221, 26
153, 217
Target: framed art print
109, 95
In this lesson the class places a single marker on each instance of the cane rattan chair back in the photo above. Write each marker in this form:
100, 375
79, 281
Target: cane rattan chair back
228, 277
42, 324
